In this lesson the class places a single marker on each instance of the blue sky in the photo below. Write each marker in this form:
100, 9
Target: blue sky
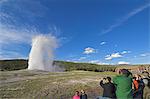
95, 31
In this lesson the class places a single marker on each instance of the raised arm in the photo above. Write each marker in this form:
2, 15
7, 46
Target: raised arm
101, 84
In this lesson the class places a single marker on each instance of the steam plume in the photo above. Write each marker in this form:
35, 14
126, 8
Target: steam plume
41, 54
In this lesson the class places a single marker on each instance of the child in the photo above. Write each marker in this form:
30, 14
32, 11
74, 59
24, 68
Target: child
83, 95
76, 96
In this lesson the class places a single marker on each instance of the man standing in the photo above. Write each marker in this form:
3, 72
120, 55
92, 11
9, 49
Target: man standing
123, 84
109, 88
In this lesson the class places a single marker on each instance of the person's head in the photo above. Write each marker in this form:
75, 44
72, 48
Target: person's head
125, 72
77, 93
146, 74
82, 92
134, 78
104, 79
108, 79
139, 77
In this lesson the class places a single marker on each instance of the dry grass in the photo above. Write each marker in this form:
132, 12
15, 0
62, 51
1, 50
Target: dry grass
44, 85
62, 85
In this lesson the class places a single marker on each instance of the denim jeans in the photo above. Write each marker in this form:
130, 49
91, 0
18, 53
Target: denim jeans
101, 97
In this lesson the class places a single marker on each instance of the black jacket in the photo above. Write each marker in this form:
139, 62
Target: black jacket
109, 89
83, 96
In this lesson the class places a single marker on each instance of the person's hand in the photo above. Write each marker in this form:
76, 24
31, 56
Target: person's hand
101, 79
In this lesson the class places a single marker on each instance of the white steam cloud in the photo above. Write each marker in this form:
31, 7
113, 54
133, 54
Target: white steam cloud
41, 54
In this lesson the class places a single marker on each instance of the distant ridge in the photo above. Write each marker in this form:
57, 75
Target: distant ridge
18, 64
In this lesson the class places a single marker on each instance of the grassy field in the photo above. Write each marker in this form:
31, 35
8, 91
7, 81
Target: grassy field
45, 85
25, 84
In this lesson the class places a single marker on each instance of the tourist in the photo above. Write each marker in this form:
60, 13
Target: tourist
146, 80
83, 95
138, 94
135, 83
109, 89
123, 84
76, 96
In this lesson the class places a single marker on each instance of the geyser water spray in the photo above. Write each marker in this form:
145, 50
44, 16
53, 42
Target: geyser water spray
41, 54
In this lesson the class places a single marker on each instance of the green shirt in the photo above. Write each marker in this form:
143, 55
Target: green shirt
124, 87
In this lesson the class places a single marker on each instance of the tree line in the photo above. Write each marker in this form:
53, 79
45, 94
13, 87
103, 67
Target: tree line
18, 64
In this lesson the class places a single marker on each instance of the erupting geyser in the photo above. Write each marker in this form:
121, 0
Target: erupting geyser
41, 54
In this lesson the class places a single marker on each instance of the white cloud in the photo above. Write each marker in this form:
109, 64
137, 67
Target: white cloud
102, 43
89, 50
68, 60
4, 16
98, 62
11, 55
94, 61
123, 62
116, 55
14, 33
82, 58
145, 54
104, 63
113, 55
10, 34
25, 8
125, 18
125, 52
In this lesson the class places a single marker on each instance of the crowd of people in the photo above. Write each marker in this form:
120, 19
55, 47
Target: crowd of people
123, 86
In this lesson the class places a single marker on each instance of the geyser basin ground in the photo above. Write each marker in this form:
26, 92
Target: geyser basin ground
33, 84
46, 85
